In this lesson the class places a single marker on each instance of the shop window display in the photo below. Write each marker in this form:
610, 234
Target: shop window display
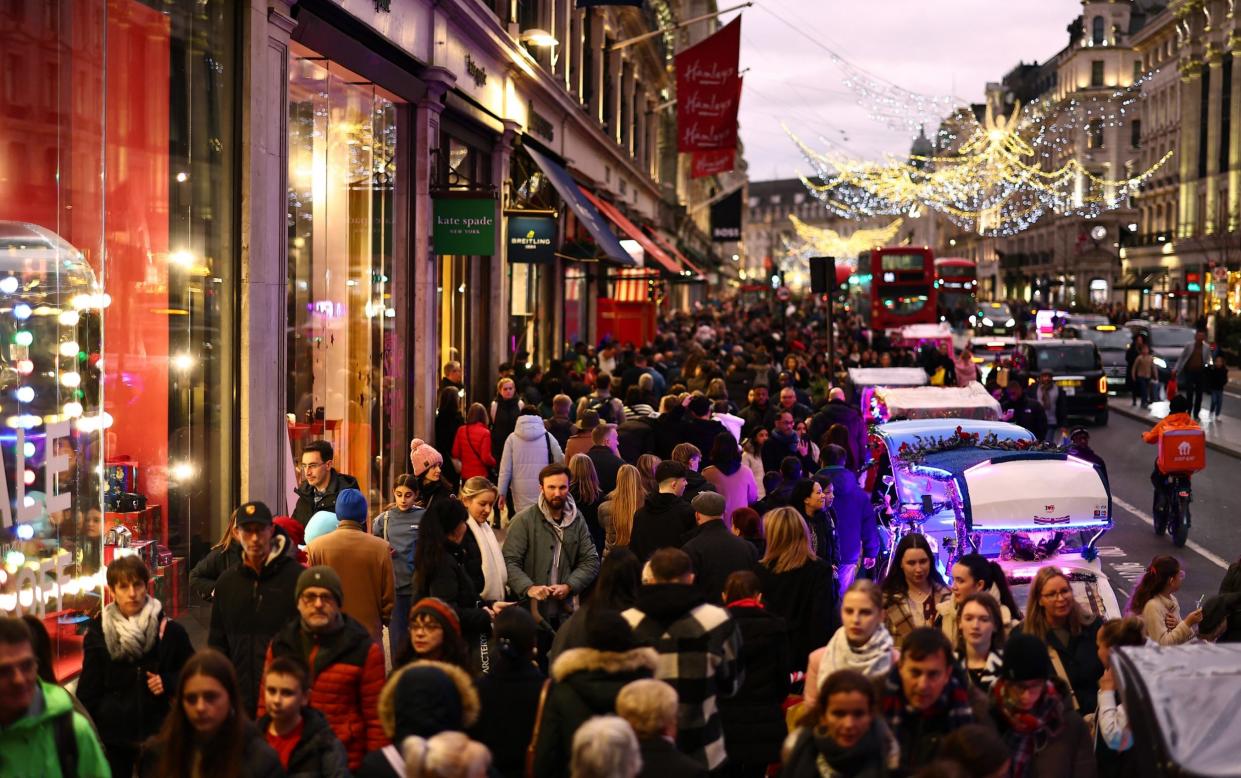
341, 219
117, 273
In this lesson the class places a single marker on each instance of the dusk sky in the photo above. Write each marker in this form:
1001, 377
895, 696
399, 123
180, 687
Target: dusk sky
944, 48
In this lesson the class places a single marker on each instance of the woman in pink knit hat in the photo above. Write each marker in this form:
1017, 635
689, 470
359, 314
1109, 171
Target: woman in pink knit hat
428, 469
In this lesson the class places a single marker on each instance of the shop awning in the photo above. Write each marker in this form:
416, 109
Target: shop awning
586, 213
671, 246
635, 232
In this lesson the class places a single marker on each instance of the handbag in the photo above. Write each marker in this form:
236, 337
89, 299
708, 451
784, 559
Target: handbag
538, 725
492, 474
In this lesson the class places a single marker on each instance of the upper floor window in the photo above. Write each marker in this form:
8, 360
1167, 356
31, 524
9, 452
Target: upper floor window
1094, 134
1135, 133
1096, 72
1098, 31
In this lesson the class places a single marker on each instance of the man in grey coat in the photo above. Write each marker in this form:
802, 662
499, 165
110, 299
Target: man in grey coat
548, 550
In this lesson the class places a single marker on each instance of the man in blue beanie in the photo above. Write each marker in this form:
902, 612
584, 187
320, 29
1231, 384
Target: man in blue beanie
362, 560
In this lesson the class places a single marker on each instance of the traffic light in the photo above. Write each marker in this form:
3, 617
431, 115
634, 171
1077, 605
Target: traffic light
822, 274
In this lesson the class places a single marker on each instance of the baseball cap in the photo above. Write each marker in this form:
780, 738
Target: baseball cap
254, 513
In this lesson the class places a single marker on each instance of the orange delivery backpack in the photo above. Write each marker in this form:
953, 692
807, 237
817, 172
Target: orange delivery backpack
1182, 450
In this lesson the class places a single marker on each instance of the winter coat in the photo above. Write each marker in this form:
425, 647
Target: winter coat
660, 758
857, 532
736, 486
805, 598
258, 760
1182, 362
695, 485
527, 451
561, 429
590, 515
699, 649
28, 746
504, 416
839, 412
400, 529
1081, 662
472, 447
898, 615
318, 753
585, 683
607, 464
451, 583
207, 572
663, 520
777, 448
717, 553
114, 691
809, 743
754, 418
309, 502
1069, 754
510, 700
530, 549
347, 674
446, 425
701, 433
579, 443
421, 713
364, 564
753, 718
250, 608
635, 437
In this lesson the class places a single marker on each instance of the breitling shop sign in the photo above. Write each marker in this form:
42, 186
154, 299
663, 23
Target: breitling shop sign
531, 239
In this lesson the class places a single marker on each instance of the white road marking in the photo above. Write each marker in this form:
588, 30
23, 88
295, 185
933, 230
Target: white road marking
1147, 519
1234, 395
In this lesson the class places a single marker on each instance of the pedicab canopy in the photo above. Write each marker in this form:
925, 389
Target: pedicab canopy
936, 402
1185, 702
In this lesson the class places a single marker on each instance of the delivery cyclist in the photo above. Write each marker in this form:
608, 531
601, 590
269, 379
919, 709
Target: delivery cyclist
1178, 418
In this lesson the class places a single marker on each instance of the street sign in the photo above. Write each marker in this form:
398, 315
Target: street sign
783, 294
1220, 274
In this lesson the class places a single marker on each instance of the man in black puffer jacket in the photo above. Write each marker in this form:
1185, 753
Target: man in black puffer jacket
254, 601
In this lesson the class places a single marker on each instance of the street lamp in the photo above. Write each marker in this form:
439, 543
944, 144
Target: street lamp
541, 39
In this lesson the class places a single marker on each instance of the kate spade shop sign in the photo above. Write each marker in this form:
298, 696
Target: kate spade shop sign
531, 239
463, 225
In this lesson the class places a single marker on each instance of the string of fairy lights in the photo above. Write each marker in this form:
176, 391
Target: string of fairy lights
810, 241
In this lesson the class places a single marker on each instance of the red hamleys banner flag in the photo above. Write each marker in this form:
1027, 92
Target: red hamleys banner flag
710, 163
709, 92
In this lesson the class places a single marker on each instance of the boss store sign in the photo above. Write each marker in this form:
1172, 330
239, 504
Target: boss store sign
531, 239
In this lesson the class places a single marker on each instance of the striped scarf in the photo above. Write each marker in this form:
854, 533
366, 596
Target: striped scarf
953, 703
1027, 731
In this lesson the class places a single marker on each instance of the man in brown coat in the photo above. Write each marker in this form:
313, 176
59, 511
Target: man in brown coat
363, 562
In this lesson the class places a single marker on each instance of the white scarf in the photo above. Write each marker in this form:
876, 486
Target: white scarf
872, 659
131, 637
495, 574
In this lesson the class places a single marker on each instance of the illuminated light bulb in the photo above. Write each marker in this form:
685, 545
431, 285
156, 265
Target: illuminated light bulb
73, 410
22, 311
8, 284
71, 380
25, 394
23, 338
182, 471
28, 449
104, 300
25, 366
69, 318
29, 421
69, 348
183, 362
181, 258
182, 177
28, 477
15, 559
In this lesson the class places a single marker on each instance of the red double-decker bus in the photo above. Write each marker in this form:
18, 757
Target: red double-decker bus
956, 283
896, 286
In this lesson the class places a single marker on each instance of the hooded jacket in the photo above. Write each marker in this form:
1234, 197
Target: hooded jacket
699, 649
856, 529
585, 683
28, 745
527, 451
319, 753
427, 704
309, 503
207, 572
839, 412
531, 550
753, 719
250, 608
347, 675
663, 520
452, 583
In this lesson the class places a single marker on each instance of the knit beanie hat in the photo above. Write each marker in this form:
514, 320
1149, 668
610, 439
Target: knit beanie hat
428, 702
323, 577
439, 610
1025, 659
350, 505
320, 524
423, 456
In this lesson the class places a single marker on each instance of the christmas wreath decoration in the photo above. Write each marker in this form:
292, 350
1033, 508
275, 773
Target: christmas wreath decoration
914, 453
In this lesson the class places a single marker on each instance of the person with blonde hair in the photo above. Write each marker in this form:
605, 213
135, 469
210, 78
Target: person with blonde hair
484, 560
862, 644
650, 707
797, 585
446, 755
646, 467
616, 512
605, 747
585, 490
1054, 616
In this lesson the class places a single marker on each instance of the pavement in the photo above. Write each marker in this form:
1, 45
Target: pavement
1223, 434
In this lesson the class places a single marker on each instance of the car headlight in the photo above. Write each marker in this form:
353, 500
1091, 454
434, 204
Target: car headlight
1160, 363
973, 320
1010, 323
987, 322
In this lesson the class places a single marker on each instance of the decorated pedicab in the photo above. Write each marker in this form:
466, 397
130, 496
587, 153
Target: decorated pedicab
987, 487
864, 381
971, 401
